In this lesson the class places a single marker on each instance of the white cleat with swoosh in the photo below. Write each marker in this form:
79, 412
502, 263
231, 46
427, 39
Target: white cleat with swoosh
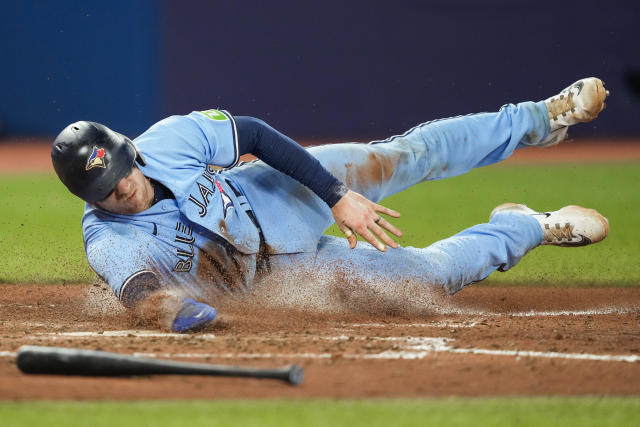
569, 226
581, 102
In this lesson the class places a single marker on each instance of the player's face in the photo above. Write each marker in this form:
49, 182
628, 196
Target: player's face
131, 195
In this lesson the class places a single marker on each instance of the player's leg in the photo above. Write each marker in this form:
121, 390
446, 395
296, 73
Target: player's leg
450, 147
450, 264
435, 150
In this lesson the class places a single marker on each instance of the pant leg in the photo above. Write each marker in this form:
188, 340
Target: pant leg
435, 150
403, 275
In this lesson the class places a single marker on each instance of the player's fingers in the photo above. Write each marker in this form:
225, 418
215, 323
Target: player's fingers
383, 236
369, 237
385, 210
349, 234
387, 225
353, 240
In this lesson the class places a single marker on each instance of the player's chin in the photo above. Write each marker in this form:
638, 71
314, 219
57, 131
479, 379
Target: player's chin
136, 204
136, 208
131, 207
142, 202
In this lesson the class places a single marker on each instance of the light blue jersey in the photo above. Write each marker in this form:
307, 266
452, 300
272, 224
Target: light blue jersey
173, 236
205, 238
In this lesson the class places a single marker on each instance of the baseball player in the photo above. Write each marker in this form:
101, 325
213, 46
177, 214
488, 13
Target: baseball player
174, 210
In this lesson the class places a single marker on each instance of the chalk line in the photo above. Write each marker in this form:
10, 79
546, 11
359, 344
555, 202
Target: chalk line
469, 323
414, 348
407, 348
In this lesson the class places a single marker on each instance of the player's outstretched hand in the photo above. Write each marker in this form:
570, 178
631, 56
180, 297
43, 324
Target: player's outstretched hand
354, 213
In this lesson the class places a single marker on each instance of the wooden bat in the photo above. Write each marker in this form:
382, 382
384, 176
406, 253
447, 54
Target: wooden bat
33, 359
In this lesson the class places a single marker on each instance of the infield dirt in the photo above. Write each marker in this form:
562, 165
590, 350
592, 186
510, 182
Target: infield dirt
579, 342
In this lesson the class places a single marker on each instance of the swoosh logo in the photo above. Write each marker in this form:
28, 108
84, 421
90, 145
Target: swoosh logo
199, 315
579, 85
584, 242
546, 214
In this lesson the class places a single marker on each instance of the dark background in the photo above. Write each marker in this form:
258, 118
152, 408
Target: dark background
331, 69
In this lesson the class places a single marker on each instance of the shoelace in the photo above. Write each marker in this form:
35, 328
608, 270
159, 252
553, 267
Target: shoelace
558, 233
561, 105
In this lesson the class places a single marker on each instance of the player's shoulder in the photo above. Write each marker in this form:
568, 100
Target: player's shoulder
213, 114
96, 221
168, 123
178, 124
98, 225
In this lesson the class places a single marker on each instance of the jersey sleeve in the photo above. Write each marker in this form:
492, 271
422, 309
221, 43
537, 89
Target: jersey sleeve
118, 253
221, 133
200, 138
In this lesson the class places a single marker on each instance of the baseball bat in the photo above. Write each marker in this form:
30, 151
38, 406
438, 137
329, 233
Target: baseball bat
33, 359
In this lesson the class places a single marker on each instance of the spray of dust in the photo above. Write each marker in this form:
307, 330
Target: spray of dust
342, 290
156, 312
336, 290
99, 301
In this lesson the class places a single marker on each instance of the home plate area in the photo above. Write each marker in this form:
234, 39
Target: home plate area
485, 341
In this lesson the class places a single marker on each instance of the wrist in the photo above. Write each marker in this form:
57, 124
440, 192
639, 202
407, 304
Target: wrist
335, 192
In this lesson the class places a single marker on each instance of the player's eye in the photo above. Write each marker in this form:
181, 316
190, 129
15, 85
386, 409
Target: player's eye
108, 195
114, 188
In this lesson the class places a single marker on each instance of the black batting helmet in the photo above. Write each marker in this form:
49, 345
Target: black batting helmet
90, 159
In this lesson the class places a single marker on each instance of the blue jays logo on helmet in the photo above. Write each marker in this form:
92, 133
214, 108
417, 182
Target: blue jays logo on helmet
96, 159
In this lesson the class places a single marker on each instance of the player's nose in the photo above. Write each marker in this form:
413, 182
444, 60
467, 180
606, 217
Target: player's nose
123, 188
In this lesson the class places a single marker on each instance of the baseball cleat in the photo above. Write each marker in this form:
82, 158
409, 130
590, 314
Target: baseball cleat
193, 316
569, 226
581, 102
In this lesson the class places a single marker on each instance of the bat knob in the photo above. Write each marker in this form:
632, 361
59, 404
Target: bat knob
296, 375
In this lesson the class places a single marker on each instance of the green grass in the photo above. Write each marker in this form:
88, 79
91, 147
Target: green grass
41, 239
40, 232
564, 412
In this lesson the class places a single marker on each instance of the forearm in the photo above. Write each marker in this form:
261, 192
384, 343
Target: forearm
284, 154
